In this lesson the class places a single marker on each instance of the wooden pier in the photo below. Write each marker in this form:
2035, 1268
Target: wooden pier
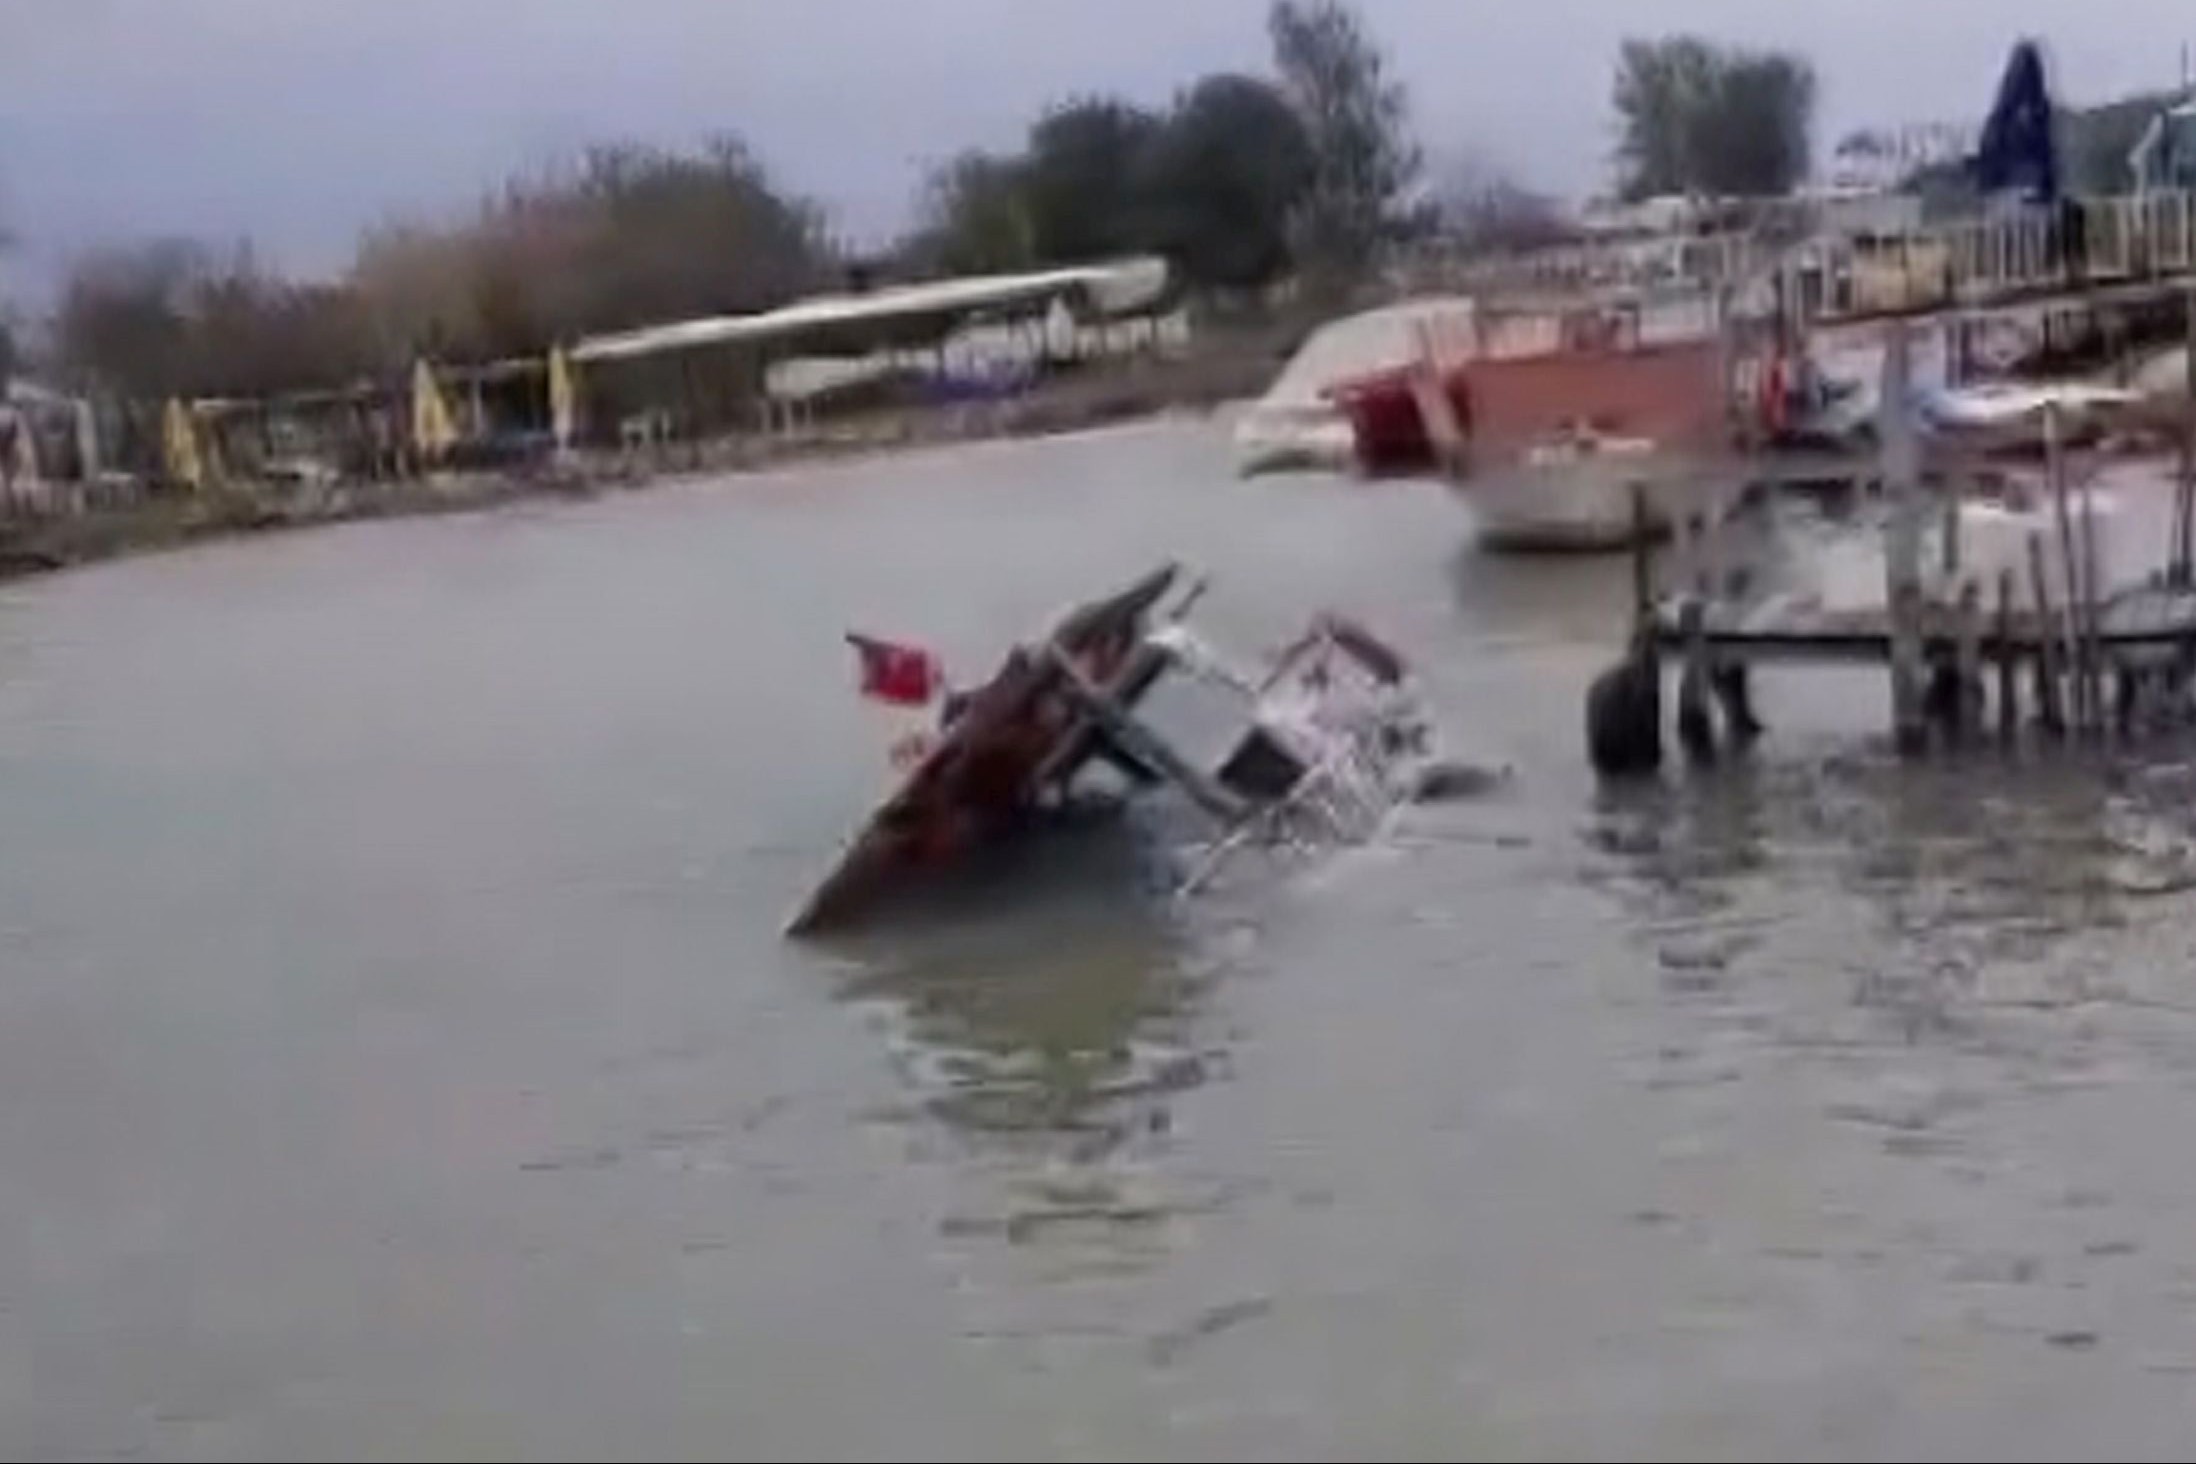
2151, 626
2099, 655
2091, 673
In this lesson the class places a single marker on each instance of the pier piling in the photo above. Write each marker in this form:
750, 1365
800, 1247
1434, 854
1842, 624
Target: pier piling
1902, 545
2050, 709
1967, 706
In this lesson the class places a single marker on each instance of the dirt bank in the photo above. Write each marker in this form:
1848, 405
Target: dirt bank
1232, 366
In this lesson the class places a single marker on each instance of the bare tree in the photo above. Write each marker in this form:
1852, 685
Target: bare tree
1080, 180
1486, 210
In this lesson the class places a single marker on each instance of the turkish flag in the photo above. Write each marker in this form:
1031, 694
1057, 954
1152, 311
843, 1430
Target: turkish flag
906, 676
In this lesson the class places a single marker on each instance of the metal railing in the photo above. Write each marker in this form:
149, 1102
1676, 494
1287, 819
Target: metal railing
1973, 262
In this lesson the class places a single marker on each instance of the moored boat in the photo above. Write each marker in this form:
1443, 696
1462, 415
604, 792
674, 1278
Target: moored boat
1570, 495
1303, 421
1546, 419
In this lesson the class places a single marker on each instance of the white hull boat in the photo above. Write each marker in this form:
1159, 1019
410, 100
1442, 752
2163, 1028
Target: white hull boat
1297, 424
1575, 498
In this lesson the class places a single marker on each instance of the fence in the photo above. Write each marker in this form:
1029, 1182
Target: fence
1975, 262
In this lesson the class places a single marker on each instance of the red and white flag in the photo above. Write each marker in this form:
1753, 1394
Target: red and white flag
902, 675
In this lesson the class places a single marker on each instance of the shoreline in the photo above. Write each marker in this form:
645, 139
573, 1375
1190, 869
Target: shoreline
34, 545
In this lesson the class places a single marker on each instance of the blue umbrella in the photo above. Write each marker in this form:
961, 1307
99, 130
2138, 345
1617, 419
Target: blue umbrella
2017, 154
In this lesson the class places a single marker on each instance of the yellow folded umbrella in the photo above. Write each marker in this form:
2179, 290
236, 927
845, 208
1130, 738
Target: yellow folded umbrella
179, 436
434, 430
563, 397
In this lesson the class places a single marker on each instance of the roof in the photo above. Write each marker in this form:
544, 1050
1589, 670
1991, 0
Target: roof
22, 391
291, 401
897, 313
486, 372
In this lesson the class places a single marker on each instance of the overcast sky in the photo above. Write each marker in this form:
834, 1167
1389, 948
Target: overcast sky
297, 121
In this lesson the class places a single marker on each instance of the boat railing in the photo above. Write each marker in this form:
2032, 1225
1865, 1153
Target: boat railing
1344, 797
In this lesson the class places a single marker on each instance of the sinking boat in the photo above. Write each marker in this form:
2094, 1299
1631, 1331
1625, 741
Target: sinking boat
1313, 749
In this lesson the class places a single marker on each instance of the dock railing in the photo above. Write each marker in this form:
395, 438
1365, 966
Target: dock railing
2001, 258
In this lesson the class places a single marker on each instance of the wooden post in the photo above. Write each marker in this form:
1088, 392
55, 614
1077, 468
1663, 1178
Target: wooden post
1902, 544
2049, 709
1967, 660
2009, 698
1429, 390
2175, 575
1733, 412
1695, 721
1948, 533
2184, 543
1643, 582
2055, 475
2093, 660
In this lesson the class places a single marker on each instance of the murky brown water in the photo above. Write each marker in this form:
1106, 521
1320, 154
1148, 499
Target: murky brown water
398, 1055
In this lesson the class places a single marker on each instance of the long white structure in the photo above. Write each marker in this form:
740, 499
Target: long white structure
895, 312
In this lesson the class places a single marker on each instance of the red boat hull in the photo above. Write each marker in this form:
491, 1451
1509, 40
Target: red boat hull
1384, 419
982, 776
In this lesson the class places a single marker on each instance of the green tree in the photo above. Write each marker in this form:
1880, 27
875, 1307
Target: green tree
1663, 88
1695, 117
1079, 181
1356, 119
976, 217
1221, 180
660, 235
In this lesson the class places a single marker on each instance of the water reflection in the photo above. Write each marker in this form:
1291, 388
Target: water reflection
1047, 997
1578, 597
1682, 843
1587, 598
1934, 888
